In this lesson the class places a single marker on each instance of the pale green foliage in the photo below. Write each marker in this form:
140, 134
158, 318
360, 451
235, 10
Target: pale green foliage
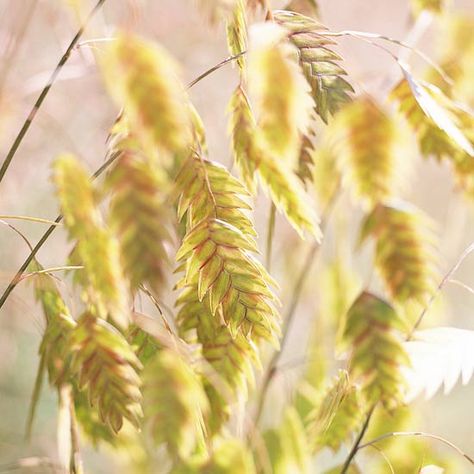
145, 80
106, 365
287, 447
407, 455
377, 352
230, 457
367, 142
405, 251
96, 248
276, 176
175, 403
319, 63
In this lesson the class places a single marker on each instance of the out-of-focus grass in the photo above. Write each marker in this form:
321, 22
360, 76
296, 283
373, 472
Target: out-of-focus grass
76, 117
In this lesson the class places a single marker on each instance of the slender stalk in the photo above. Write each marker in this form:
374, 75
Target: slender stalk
17, 278
76, 464
288, 320
215, 68
35, 397
421, 434
270, 234
39, 220
356, 445
443, 282
39, 101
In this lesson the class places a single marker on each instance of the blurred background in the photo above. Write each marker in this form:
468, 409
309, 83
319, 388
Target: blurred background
76, 118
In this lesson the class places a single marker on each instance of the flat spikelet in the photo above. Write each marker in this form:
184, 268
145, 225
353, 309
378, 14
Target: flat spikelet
346, 419
242, 129
405, 251
139, 218
96, 249
54, 349
231, 355
236, 29
436, 119
320, 418
431, 139
226, 302
218, 247
174, 403
232, 358
107, 366
305, 163
434, 141
277, 177
206, 189
144, 79
319, 63
377, 353
367, 140
281, 92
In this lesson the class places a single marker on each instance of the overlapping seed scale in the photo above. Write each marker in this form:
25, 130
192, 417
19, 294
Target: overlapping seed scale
319, 63
107, 366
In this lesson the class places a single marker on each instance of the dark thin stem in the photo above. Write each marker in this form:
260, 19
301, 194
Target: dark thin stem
17, 278
357, 442
215, 68
29, 120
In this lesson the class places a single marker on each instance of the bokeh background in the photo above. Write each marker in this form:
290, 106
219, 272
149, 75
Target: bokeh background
76, 117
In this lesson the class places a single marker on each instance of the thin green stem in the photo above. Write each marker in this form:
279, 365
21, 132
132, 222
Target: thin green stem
288, 320
39, 101
270, 234
358, 440
420, 434
215, 68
